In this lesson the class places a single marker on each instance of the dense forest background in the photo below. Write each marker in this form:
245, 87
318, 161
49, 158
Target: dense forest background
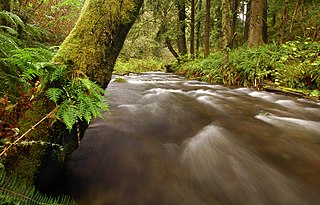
266, 44
233, 42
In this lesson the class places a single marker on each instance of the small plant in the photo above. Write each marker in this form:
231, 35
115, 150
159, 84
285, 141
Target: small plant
13, 192
120, 80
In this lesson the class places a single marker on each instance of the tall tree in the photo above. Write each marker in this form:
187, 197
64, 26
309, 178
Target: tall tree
265, 25
181, 38
192, 24
226, 30
294, 15
206, 46
256, 23
198, 25
247, 11
235, 5
283, 22
94, 44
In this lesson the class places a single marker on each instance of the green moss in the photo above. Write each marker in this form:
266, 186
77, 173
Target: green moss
89, 47
120, 80
26, 161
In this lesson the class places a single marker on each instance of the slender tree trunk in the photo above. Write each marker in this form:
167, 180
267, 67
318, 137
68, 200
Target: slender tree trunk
226, 30
274, 17
207, 30
256, 23
283, 22
94, 44
192, 29
247, 21
235, 5
198, 26
265, 24
294, 15
182, 44
171, 49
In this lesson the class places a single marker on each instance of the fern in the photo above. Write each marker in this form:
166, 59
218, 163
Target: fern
11, 18
11, 191
80, 99
54, 94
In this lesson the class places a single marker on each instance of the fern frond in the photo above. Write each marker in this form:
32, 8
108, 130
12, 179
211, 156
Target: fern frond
54, 94
12, 18
11, 191
67, 113
59, 73
8, 43
9, 30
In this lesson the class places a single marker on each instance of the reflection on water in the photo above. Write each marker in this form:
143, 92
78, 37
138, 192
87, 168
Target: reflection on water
173, 141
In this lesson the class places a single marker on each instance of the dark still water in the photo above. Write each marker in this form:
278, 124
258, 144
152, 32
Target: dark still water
170, 141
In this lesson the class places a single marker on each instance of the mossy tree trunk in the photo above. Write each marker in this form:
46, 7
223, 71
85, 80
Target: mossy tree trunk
90, 49
95, 42
226, 30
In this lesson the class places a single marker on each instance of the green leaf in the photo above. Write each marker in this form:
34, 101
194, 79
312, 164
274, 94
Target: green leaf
54, 94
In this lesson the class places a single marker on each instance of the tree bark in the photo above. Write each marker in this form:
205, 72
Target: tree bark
265, 25
235, 5
206, 46
256, 23
182, 44
283, 22
247, 21
192, 23
226, 30
294, 15
198, 26
94, 44
171, 49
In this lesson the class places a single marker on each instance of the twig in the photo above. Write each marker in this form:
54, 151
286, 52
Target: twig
27, 132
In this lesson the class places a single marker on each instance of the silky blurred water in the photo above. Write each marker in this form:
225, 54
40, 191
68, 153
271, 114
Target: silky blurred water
173, 141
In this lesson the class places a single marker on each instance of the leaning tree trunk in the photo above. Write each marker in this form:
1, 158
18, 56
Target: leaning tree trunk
95, 42
91, 49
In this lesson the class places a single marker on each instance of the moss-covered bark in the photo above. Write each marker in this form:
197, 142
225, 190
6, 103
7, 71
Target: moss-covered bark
91, 49
95, 42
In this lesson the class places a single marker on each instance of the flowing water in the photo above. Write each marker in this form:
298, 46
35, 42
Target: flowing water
172, 141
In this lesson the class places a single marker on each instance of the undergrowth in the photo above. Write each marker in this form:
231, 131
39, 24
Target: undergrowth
137, 66
295, 64
26, 77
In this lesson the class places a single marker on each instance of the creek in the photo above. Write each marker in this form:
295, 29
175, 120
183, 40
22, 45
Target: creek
173, 141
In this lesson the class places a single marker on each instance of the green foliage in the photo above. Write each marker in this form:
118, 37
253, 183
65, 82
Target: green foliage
11, 19
13, 192
120, 80
295, 64
77, 97
137, 66
80, 99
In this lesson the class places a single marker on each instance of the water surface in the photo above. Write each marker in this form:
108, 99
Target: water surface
171, 141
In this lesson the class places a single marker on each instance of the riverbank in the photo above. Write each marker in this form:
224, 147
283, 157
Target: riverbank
293, 68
